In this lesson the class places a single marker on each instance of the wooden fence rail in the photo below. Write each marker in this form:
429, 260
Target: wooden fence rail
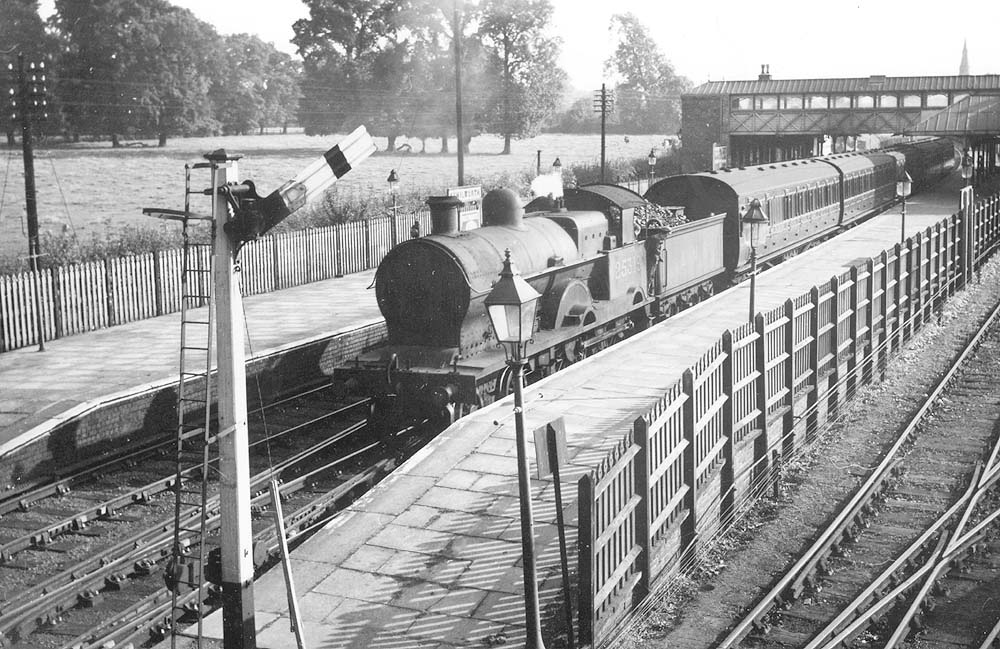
93, 295
713, 443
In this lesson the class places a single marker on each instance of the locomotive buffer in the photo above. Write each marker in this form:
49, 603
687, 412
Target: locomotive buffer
243, 216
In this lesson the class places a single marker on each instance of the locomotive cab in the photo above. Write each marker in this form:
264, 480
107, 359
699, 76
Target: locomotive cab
617, 203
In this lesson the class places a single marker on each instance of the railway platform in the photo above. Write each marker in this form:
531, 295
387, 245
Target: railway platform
431, 557
84, 390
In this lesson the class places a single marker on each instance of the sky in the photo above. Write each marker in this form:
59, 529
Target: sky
715, 40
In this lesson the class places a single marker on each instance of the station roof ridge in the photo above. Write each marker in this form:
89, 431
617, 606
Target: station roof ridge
874, 83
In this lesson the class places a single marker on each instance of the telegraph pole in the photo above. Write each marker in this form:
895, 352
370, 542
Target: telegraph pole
602, 104
28, 103
456, 29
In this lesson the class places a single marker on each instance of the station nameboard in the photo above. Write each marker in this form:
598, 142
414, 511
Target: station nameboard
470, 215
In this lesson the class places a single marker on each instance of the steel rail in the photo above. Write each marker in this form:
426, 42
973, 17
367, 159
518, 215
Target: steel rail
25, 495
62, 590
812, 557
41, 537
855, 610
152, 615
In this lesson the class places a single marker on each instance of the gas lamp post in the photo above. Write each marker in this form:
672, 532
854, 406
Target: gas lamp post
967, 167
904, 184
511, 307
652, 164
393, 181
757, 221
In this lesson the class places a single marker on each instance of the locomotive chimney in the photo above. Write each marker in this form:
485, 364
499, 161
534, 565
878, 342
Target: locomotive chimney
444, 213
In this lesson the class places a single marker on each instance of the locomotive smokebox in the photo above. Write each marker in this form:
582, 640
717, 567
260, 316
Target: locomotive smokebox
444, 214
503, 207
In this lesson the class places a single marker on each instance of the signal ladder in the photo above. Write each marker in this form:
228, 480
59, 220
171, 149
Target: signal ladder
196, 446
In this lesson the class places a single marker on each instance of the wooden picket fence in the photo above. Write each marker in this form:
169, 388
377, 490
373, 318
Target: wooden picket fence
715, 441
74, 299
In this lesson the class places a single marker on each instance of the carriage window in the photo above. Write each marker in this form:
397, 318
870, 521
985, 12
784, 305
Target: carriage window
742, 103
816, 101
793, 102
937, 101
888, 101
911, 101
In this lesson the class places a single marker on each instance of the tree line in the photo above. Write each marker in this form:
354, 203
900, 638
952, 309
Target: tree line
126, 69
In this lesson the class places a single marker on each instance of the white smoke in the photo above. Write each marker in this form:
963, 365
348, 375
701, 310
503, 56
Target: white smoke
547, 185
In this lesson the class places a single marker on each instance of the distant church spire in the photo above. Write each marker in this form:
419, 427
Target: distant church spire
963, 68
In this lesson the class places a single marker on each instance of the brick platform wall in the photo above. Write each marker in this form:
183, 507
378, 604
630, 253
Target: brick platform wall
151, 415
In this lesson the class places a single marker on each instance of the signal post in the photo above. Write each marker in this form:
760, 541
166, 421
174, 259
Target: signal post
238, 623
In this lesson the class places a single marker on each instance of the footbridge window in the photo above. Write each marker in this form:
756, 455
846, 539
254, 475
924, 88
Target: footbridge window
816, 101
792, 102
937, 101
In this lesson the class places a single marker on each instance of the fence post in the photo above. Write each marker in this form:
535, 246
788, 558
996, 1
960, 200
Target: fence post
852, 327
950, 258
833, 403
585, 539
917, 282
884, 333
275, 264
868, 368
640, 437
762, 443
812, 402
57, 301
967, 244
689, 528
368, 244
897, 330
727, 477
788, 421
338, 265
109, 294
157, 289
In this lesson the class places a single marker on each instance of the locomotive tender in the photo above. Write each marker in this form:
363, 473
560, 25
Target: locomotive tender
601, 270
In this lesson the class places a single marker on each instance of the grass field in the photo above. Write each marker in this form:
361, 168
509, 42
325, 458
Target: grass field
90, 188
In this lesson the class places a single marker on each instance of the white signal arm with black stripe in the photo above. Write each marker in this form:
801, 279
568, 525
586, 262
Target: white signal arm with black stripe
255, 215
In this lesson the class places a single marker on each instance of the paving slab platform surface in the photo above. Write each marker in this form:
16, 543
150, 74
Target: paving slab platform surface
39, 390
431, 557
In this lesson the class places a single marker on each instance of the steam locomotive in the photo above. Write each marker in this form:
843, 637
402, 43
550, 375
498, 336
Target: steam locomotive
602, 268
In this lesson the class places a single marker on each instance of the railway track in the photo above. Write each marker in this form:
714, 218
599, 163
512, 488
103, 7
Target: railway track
909, 552
81, 558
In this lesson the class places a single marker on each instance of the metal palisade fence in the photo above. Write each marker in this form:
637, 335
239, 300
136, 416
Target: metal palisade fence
84, 297
715, 442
